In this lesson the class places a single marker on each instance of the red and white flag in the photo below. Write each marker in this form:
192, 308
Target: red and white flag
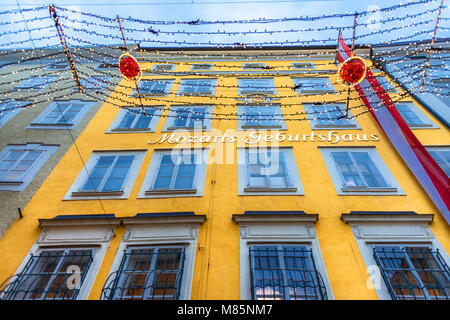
430, 175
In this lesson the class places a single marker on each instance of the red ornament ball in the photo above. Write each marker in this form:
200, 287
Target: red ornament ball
352, 71
129, 67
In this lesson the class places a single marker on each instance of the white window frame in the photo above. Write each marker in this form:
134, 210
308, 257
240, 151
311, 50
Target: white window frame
209, 65
9, 114
152, 125
157, 66
51, 66
335, 175
111, 65
171, 118
164, 231
395, 230
351, 121
278, 117
427, 123
438, 149
184, 83
295, 187
31, 172
256, 65
21, 86
76, 233
74, 192
243, 91
166, 92
277, 229
36, 123
87, 83
303, 65
393, 89
297, 81
152, 173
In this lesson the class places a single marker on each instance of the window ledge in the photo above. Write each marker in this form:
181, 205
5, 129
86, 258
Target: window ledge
10, 183
331, 126
423, 125
186, 128
51, 124
96, 193
170, 191
196, 94
317, 91
261, 127
265, 93
366, 189
158, 94
254, 189
130, 129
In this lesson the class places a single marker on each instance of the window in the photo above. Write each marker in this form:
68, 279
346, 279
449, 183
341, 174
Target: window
150, 273
156, 258
107, 65
107, 174
203, 66
62, 115
315, 85
284, 272
9, 109
134, 120
358, 171
190, 118
415, 118
303, 65
163, 67
253, 66
176, 172
388, 86
19, 164
442, 157
413, 272
404, 258
256, 86
197, 86
94, 83
325, 116
260, 117
57, 66
154, 87
35, 83
280, 257
46, 274
268, 171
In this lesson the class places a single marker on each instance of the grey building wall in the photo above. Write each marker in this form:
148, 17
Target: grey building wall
16, 130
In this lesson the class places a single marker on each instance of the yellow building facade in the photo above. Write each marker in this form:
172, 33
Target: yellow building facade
341, 201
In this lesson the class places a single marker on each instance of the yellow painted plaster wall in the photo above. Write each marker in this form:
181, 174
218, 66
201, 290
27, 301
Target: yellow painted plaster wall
217, 271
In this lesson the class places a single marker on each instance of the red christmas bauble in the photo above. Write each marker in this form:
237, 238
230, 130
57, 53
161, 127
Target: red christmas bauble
352, 71
129, 67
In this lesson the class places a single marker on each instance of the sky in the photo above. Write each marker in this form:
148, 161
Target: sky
373, 26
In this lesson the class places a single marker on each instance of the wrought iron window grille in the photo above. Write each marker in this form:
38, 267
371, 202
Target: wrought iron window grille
151, 273
50, 275
285, 273
413, 273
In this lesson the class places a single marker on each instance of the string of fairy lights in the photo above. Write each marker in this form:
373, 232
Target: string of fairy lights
91, 37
